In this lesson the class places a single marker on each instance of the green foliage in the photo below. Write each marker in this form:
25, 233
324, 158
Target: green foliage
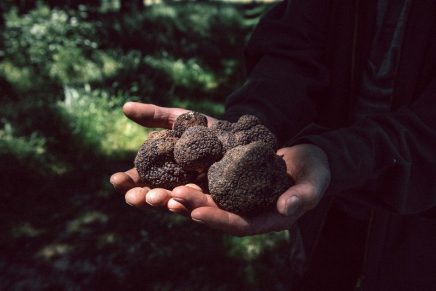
25, 148
176, 50
183, 73
52, 45
94, 118
252, 247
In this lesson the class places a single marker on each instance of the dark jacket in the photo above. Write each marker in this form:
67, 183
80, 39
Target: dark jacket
305, 60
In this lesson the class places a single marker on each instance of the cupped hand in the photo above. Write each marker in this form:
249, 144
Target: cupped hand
306, 164
136, 193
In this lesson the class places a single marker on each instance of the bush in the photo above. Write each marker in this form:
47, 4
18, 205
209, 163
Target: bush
97, 124
52, 46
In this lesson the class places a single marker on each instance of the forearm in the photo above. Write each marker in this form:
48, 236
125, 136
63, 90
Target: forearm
393, 154
286, 72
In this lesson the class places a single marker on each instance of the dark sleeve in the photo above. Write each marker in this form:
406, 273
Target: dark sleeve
395, 153
286, 74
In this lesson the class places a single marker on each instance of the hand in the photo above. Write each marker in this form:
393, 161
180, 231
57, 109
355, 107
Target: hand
306, 164
128, 182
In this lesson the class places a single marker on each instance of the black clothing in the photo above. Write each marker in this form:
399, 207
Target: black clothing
339, 255
305, 61
377, 82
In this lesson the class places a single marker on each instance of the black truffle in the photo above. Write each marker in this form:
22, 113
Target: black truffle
221, 125
248, 179
189, 119
162, 134
245, 122
155, 162
236, 162
197, 149
246, 130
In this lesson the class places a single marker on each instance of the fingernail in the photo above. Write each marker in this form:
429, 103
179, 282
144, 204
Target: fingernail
293, 205
151, 198
198, 220
111, 180
172, 204
129, 197
178, 199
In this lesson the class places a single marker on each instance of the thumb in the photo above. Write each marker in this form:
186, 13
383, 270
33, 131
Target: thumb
150, 115
297, 199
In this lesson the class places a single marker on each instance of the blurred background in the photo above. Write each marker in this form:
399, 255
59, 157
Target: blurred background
66, 68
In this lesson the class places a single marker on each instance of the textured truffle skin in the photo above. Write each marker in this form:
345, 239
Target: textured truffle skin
155, 162
167, 175
257, 132
227, 139
248, 179
235, 162
162, 134
245, 122
187, 120
221, 125
197, 149
246, 130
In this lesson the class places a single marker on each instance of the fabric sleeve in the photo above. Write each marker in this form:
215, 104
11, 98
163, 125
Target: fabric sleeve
286, 75
393, 154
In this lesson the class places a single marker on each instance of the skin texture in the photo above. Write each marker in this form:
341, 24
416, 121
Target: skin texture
306, 164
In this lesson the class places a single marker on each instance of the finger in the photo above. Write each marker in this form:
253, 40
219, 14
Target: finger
136, 197
192, 197
158, 197
193, 186
150, 115
297, 199
134, 175
242, 226
222, 220
123, 181
177, 207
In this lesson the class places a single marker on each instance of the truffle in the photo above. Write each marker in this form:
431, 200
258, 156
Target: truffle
197, 149
257, 132
155, 162
246, 130
235, 162
189, 119
248, 179
245, 122
162, 134
221, 125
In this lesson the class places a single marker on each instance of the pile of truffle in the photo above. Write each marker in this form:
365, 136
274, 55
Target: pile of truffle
244, 175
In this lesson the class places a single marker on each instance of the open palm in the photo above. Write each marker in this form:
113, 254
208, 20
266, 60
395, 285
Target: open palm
306, 164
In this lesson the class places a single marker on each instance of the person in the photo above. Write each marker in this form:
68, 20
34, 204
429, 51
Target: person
349, 88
